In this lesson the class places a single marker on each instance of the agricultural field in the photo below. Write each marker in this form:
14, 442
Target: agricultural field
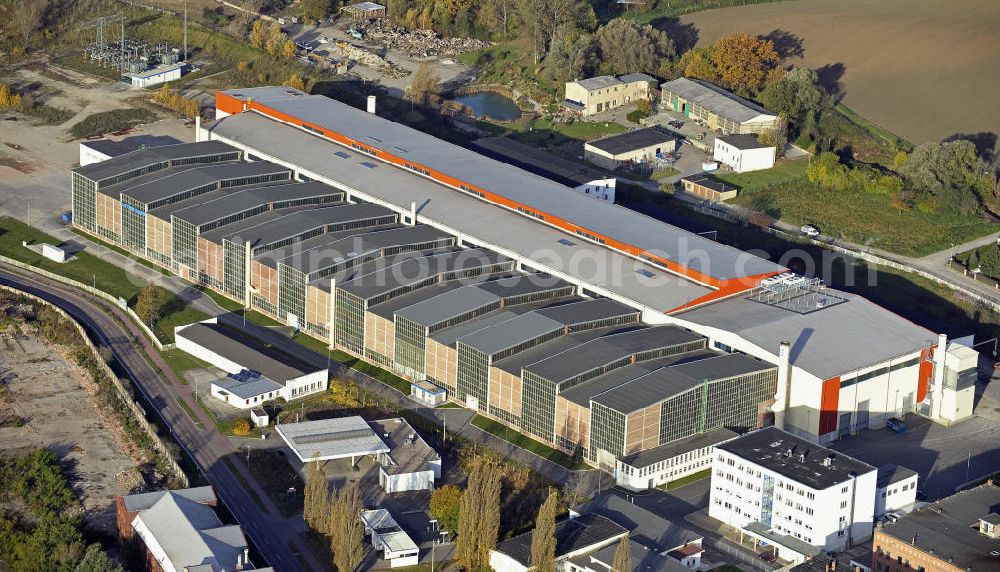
923, 70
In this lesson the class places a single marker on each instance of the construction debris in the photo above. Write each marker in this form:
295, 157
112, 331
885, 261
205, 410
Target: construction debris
371, 60
419, 43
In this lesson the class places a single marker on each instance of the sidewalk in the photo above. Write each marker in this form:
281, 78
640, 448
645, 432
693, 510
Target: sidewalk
183, 290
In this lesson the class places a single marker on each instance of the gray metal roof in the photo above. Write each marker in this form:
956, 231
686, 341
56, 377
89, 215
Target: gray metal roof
438, 309
889, 474
151, 156
948, 528
669, 381
143, 501
327, 439
245, 200
572, 535
678, 447
601, 351
622, 224
715, 99
643, 559
179, 183
583, 393
833, 341
323, 257
217, 234
709, 182
271, 257
191, 534
248, 389
632, 77
599, 82
411, 268
298, 223
448, 305
449, 336
644, 527
463, 214
389, 308
541, 322
769, 448
743, 141
245, 350
113, 148
632, 140
516, 362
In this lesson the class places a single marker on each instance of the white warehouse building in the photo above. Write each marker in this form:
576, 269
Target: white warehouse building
791, 494
848, 364
257, 372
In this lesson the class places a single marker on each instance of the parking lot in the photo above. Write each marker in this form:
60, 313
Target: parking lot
945, 457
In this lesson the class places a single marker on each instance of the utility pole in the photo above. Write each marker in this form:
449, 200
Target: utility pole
184, 55
121, 46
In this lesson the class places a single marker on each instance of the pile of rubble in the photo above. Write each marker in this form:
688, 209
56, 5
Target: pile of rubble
371, 60
421, 43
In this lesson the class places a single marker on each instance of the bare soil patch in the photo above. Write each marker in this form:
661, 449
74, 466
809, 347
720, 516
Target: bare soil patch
924, 70
47, 402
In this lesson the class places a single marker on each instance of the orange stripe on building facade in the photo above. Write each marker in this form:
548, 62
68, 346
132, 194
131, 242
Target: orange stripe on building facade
232, 105
924, 373
829, 406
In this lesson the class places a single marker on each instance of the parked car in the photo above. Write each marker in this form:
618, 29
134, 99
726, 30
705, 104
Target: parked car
895, 424
809, 230
768, 557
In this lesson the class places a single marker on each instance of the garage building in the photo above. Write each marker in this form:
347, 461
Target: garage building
637, 146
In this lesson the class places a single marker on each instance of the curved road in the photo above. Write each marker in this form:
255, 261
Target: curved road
269, 532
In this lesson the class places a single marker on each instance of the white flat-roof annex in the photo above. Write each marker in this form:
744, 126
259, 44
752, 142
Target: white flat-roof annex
329, 439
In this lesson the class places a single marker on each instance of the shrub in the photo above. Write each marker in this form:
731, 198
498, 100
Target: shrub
109, 121
241, 428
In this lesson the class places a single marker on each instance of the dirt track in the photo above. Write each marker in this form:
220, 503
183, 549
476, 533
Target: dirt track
923, 69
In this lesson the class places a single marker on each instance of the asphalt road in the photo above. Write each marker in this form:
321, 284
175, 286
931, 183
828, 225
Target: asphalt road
205, 446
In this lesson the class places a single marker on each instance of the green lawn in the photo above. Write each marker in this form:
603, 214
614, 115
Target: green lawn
76, 62
180, 361
524, 442
678, 483
94, 271
854, 216
545, 132
111, 121
120, 250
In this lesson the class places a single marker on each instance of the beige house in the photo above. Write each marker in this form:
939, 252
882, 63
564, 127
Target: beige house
604, 93
637, 146
716, 107
707, 188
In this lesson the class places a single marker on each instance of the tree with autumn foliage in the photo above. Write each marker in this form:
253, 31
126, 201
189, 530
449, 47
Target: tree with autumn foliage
744, 62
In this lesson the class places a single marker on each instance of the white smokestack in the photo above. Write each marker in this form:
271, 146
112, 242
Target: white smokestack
197, 128
371, 104
784, 384
939, 360
413, 210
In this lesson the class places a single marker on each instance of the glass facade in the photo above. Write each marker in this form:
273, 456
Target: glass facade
184, 242
291, 294
410, 347
84, 202
349, 321
607, 435
538, 406
733, 402
473, 375
133, 224
234, 269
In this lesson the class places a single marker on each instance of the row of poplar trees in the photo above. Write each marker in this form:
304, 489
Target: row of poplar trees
337, 516
479, 526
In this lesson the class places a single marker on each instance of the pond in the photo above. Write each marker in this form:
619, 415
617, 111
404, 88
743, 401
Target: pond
490, 104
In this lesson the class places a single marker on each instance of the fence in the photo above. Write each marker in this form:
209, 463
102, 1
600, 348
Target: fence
870, 258
138, 413
95, 292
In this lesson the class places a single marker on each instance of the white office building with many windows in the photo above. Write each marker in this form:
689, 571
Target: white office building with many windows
792, 495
